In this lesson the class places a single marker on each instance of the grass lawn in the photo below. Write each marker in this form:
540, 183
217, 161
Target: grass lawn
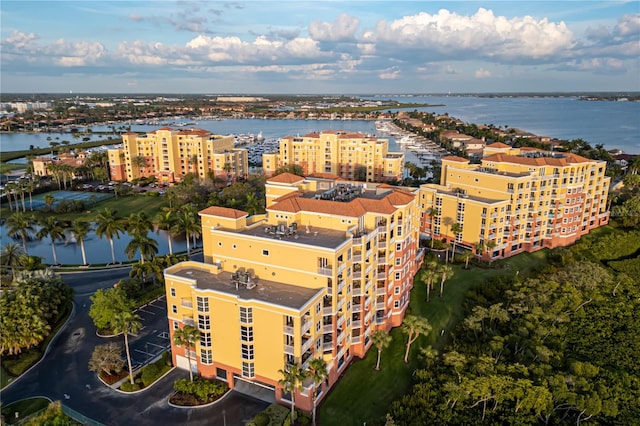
24, 408
123, 206
363, 394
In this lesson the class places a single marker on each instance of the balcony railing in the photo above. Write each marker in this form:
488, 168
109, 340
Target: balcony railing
188, 321
327, 310
327, 271
288, 349
356, 307
357, 291
306, 345
327, 346
185, 303
356, 324
381, 291
327, 328
288, 330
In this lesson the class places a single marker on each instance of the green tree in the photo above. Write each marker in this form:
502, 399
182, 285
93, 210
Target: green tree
381, 339
445, 272
428, 277
292, 377
166, 221
110, 227
456, 229
54, 229
187, 336
22, 225
319, 373
105, 305
188, 224
127, 322
11, 255
148, 247
80, 230
414, 326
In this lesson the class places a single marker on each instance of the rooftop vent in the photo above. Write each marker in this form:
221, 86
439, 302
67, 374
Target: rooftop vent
243, 278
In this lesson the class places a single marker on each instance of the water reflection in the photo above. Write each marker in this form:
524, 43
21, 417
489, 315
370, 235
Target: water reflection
98, 250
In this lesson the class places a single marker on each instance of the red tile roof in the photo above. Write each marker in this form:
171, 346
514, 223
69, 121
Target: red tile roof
566, 160
455, 158
498, 145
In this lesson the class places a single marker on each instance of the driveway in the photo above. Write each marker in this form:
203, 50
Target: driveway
63, 374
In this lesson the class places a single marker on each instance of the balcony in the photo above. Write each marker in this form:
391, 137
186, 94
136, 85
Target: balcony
327, 346
306, 326
288, 330
380, 306
341, 337
356, 324
382, 276
188, 321
186, 303
341, 285
327, 310
341, 304
356, 307
357, 258
306, 345
381, 291
327, 271
288, 349
356, 340
341, 320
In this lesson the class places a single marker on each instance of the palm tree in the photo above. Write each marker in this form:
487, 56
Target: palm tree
432, 212
456, 228
381, 339
187, 336
446, 271
480, 248
147, 247
11, 255
318, 371
139, 224
166, 221
21, 224
252, 204
467, 256
110, 227
80, 229
126, 322
187, 223
414, 326
52, 228
292, 377
429, 276
30, 187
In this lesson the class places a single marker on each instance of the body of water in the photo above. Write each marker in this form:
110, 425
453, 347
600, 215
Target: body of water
610, 123
98, 250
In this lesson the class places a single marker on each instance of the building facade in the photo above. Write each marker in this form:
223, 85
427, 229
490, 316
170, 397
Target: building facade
350, 155
170, 154
516, 200
328, 263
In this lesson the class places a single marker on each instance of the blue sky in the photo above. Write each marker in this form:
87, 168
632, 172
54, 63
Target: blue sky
337, 47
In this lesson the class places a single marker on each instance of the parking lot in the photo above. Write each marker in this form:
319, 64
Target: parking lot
153, 338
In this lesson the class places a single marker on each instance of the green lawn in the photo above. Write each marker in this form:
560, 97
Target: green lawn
24, 408
363, 394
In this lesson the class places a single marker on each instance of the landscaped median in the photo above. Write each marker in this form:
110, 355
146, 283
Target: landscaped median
142, 379
199, 392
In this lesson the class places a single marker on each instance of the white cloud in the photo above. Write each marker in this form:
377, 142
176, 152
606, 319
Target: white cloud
343, 29
482, 73
480, 36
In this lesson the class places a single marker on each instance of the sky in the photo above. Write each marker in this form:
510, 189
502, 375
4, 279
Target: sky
319, 47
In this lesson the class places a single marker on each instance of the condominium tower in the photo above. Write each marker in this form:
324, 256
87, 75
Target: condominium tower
170, 154
516, 200
350, 155
330, 262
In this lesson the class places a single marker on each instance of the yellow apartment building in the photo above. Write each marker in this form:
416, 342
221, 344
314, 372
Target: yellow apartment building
516, 200
350, 155
329, 262
170, 154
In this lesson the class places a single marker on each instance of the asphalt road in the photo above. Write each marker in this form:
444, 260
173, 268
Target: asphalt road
63, 373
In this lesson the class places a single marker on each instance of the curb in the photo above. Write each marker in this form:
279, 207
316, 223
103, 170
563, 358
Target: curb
113, 387
198, 406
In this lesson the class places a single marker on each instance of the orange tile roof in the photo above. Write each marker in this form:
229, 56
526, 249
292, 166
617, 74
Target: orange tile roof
223, 212
357, 207
326, 176
499, 145
286, 178
455, 158
539, 161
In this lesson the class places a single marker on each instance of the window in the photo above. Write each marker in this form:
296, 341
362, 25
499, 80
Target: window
176, 325
398, 260
398, 246
396, 304
204, 322
246, 315
397, 276
265, 252
174, 309
221, 374
248, 369
173, 292
205, 339
246, 333
203, 303
247, 352
206, 356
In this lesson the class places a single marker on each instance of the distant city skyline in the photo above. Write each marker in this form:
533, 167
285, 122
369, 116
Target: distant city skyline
319, 47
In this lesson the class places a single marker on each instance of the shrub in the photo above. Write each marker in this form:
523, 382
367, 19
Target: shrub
261, 419
204, 390
128, 387
166, 358
150, 374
